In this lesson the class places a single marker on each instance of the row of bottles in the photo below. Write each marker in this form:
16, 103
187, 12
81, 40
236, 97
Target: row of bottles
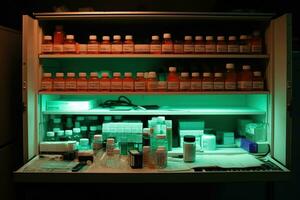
150, 81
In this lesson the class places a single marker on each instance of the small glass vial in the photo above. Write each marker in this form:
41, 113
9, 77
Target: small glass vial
128, 45
69, 44
93, 82
104, 82
59, 82
258, 81
210, 45
221, 45
58, 39
71, 82
218, 81
161, 157
173, 80
233, 46
189, 148
207, 82
184, 82
167, 43
116, 82
128, 82
50, 136
155, 45
105, 46
188, 45
47, 45
140, 82
110, 145
199, 44
93, 46
245, 79
116, 47
196, 82
152, 82
244, 44
256, 42
82, 82
230, 77
47, 82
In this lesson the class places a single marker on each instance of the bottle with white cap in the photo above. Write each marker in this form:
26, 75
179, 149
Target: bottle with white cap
207, 82
140, 82
50, 136
104, 82
188, 45
196, 83
244, 44
167, 44
69, 44
110, 145
218, 81
81, 83
70, 82
116, 82
184, 82
210, 44
128, 82
93, 82
258, 81
233, 46
97, 143
47, 45
155, 45
105, 46
245, 78
152, 82
199, 44
230, 77
128, 45
47, 82
93, 46
59, 82
221, 44
116, 46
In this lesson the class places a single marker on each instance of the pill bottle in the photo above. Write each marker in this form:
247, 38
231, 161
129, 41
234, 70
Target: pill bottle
161, 157
104, 82
140, 82
59, 82
207, 82
244, 44
128, 45
256, 42
110, 145
167, 43
47, 82
58, 39
178, 47
70, 82
245, 79
50, 136
189, 148
173, 80
152, 82
196, 82
47, 45
105, 45
82, 82
230, 77
155, 45
93, 46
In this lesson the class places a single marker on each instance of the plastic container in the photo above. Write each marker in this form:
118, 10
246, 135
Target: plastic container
81, 82
208, 142
47, 45
128, 45
93, 45
97, 142
140, 82
196, 83
70, 82
104, 82
230, 77
173, 80
155, 45
189, 148
167, 44
59, 82
93, 82
47, 82
116, 82
128, 82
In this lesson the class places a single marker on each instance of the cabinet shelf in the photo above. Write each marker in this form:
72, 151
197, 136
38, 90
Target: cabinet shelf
203, 56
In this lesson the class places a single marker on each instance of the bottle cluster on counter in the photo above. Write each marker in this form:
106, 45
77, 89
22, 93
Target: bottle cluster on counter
231, 80
198, 44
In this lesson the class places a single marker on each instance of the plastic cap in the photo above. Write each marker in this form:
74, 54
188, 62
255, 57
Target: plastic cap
218, 74
50, 134
220, 38
189, 138
84, 141
116, 74
82, 74
76, 130
243, 37
70, 37
70, 74
167, 36
93, 128
195, 74
93, 74
110, 141
47, 75
206, 74
83, 128
104, 74
172, 69
231, 38
59, 74
93, 37
152, 75
257, 73
246, 67
229, 66
128, 74
117, 37
140, 74
198, 37
184, 74
105, 37
128, 37
47, 37
188, 37
209, 37
68, 132
155, 37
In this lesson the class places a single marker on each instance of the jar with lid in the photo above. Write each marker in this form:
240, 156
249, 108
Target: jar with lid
189, 148
161, 157
152, 82
47, 45
196, 82
221, 45
93, 82
256, 42
233, 46
245, 78
47, 82
207, 82
218, 81
81, 82
199, 44
104, 82
173, 79
184, 82
167, 43
155, 45
128, 45
140, 82
70, 82
244, 44
116, 82
116, 46
105, 46
188, 45
69, 44
93, 46
230, 77
59, 82
210, 44
128, 82
50, 136
58, 39
258, 81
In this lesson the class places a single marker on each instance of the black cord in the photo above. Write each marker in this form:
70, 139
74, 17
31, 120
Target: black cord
122, 101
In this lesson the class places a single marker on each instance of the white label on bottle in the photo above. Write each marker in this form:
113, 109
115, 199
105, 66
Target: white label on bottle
233, 48
142, 48
46, 85
93, 85
210, 48
152, 85
258, 85
167, 48
140, 85
104, 85
128, 48
218, 85
105, 48
184, 85
207, 85
116, 85
71, 85
82, 48
116, 48
173, 85
127, 85
244, 49
196, 85
256, 48
245, 84
155, 48
222, 48
47, 48
188, 48
59, 85
162, 85
69, 48
178, 48
58, 48
230, 85
81, 85
92, 48
199, 48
